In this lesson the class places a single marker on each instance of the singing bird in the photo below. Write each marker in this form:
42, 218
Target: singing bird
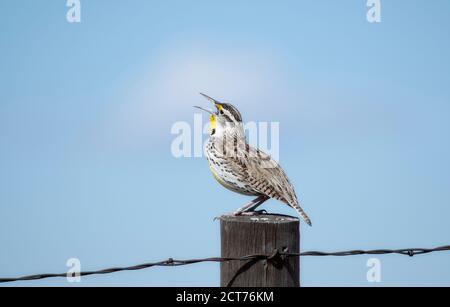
242, 168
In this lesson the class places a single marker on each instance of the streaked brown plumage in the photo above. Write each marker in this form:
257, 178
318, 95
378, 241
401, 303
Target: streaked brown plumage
243, 169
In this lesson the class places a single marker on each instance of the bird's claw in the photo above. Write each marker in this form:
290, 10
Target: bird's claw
243, 213
250, 213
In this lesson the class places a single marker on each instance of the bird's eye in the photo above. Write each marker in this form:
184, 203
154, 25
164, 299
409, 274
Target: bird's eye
213, 131
221, 112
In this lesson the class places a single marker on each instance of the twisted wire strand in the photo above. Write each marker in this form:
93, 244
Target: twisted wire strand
269, 257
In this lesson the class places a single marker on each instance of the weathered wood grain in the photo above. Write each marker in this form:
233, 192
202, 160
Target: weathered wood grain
244, 235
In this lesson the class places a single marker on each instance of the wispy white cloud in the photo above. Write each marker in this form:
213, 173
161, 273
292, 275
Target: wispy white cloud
167, 87
253, 78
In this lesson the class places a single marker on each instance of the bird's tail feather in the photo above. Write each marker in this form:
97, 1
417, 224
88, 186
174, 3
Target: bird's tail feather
302, 214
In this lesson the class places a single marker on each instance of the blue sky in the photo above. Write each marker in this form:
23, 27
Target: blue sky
86, 111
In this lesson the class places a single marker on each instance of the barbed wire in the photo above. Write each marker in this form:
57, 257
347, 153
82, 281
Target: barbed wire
257, 257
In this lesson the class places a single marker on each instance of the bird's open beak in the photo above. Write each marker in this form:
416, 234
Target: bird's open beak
216, 103
209, 111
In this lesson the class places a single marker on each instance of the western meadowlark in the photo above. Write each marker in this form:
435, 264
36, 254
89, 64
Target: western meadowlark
242, 168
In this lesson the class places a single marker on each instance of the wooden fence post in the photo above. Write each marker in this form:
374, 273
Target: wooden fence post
247, 235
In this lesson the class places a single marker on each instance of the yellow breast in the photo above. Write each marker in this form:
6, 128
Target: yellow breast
217, 177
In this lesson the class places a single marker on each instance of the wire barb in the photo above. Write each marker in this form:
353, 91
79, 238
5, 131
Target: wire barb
255, 258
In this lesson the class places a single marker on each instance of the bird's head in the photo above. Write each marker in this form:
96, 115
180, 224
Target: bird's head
224, 118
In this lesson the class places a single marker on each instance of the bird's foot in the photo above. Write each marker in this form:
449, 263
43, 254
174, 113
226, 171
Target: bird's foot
243, 213
249, 213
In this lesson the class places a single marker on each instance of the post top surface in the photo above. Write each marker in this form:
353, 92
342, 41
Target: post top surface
263, 218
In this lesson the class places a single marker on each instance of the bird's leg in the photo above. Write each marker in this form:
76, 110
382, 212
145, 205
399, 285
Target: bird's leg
247, 206
244, 207
249, 209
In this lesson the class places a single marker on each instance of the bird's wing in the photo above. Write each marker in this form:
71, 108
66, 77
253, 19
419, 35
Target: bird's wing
267, 177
